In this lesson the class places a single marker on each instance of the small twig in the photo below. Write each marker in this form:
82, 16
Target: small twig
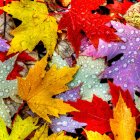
4, 3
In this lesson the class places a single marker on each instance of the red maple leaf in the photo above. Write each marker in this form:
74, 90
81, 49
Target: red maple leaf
96, 114
119, 7
80, 18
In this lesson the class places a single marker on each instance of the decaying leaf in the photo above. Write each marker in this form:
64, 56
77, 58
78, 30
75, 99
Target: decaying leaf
10, 25
38, 90
132, 15
123, 125
37, 25
20, 130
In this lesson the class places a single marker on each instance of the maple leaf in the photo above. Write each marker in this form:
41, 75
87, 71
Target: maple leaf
3, 45
42, 134
96, 136
123, 125
8, 88
6, 26
132, 16
65, 123
125, 71
37, 90
88, 75
44, 25
119, 7
80, 18
96, 114
20, 130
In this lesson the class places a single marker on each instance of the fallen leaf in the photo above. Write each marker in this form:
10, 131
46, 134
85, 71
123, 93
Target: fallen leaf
96, 114
38, 90
6, 27
44, 25
123, 125
80, 18
96, 136
88, 75
20, 130
65, 123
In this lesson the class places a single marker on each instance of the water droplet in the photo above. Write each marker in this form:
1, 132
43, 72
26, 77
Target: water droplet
58, 129
79, 81
1, 93
136, 32
120, 30
132, 60
135, 52
132, 32
125, 65
137, 39
23, 44
131, 44
70, 95
109, 45
72, 84
102, 46
124, 39
110, 71
116, 69
86, 76
125, 85
89, 86
64, 123
123, 47
122, 58
59, 123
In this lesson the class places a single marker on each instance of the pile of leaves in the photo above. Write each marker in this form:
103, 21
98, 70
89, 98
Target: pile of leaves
69, 70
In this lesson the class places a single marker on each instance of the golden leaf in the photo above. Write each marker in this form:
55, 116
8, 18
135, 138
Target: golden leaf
21, 128
123, 125
39, 86
37, 25
96, 136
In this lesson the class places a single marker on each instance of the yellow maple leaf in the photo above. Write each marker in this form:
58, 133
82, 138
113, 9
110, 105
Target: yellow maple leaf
123, 125
21, 128
96, 136
42, 134
39, 86
37, 25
